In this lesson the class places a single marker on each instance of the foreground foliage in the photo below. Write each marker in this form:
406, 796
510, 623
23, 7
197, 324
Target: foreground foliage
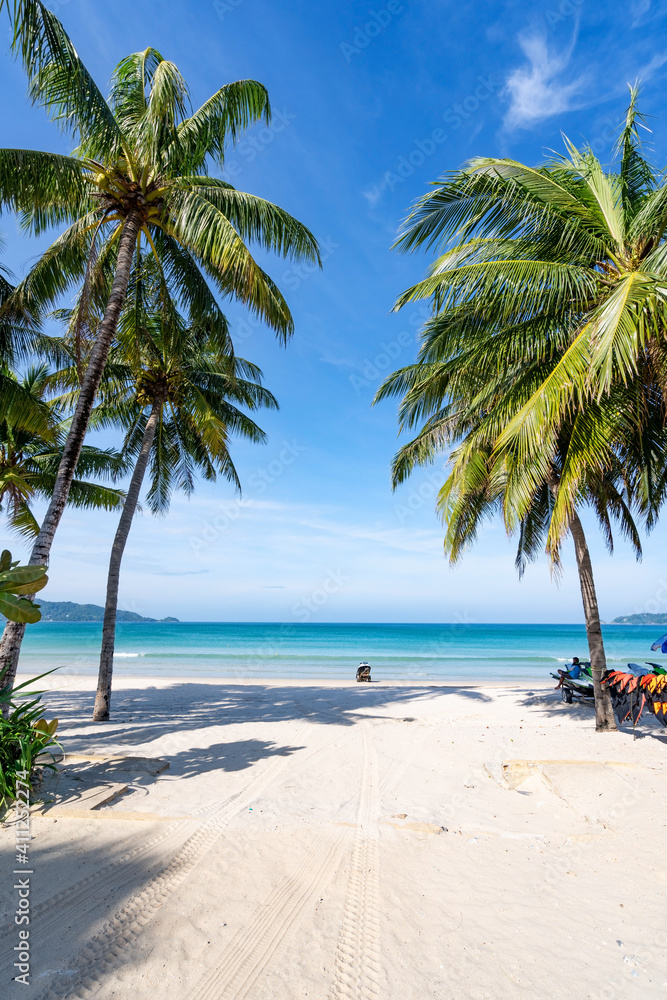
26, 738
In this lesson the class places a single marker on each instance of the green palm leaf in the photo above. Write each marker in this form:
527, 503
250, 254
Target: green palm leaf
221, 119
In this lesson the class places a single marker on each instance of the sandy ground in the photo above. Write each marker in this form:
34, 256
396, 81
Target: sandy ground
349, 841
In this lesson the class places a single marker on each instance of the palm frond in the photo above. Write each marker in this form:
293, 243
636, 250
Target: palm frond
59, 81
221, 119
49, 188
206, 232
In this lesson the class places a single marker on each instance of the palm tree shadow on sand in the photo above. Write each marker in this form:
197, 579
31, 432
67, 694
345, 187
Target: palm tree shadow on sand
142, 715
550, 703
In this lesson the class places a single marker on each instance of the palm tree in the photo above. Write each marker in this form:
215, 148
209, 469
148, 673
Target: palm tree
136, 179
463, 394
178, 397
573, 249
519, 285
29, 462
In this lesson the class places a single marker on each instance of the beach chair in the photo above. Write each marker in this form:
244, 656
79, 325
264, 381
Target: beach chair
363, 673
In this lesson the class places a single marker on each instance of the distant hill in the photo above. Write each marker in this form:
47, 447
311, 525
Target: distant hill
642, 619
67, 611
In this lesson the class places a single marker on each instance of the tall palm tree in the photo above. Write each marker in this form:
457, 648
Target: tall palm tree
521, 280
463, 394
136, 179
29, 462
177, 395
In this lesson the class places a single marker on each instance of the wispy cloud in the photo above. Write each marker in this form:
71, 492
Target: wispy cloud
537, 90
639, 9
657, 62
184, 572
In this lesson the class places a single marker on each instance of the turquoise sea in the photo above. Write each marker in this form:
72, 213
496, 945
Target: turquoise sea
312, 652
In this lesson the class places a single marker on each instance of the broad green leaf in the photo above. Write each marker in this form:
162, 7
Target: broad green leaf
17, 609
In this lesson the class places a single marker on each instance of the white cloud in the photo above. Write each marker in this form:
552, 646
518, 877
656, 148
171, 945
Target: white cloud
536, 91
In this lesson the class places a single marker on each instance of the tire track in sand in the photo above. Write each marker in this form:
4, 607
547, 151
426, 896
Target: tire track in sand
136, 864
357, 962
253, 946
106, 948
122, 872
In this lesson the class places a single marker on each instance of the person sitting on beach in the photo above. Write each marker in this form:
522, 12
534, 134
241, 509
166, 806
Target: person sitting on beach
576, 669
363, 673
574, 673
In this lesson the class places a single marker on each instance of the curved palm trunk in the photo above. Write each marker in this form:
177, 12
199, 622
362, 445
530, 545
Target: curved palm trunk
604, 712
103, 696
10, 647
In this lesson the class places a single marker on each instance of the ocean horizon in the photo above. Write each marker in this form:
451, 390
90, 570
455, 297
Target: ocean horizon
330, 651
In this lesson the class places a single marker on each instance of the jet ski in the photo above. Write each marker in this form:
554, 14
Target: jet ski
576, 679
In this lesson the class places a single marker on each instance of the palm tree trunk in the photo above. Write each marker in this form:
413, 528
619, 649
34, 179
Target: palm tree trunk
10, 647
604, 712
103, 696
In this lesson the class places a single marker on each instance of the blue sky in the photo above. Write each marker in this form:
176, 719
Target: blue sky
371, 103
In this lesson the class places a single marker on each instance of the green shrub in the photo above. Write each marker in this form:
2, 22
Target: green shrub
25, 735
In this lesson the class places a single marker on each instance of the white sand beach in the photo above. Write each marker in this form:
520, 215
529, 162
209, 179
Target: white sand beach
339, 840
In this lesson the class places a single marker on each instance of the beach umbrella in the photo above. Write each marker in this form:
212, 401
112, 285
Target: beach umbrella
660, 644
